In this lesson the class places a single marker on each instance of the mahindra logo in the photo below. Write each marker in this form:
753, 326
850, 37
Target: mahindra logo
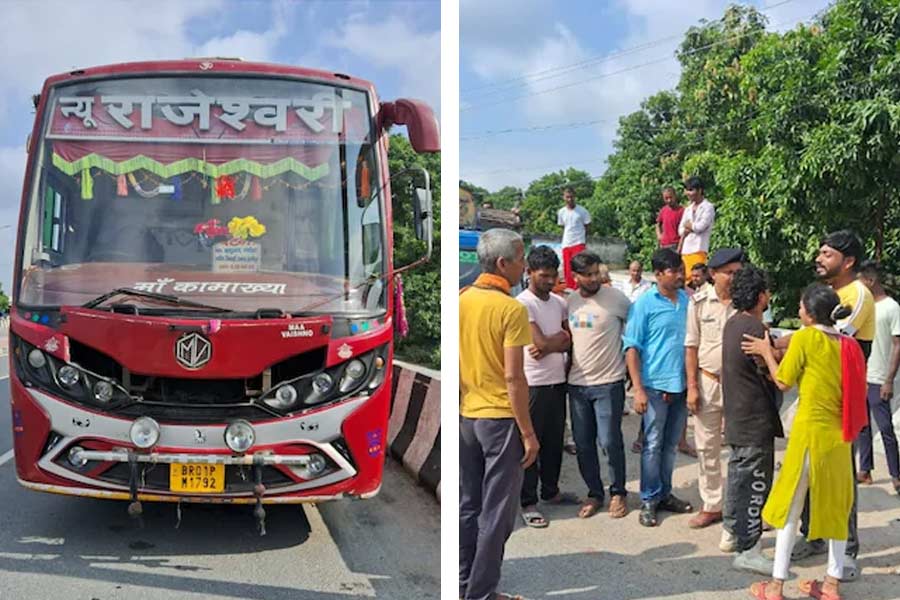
193, 350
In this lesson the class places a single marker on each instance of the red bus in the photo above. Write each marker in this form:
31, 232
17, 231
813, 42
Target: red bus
202, 300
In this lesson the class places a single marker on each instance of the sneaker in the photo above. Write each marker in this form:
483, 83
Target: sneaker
728, 542
851, 569
675, 505
617, 507
753, 560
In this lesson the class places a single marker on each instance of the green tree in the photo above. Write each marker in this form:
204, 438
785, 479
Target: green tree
795, 134
422, 285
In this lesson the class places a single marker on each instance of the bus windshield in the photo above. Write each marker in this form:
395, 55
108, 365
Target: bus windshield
238, 192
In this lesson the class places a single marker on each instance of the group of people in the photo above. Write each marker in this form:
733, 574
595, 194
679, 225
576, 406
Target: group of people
709, 355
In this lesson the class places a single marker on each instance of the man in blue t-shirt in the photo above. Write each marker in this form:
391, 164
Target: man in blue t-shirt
654, 340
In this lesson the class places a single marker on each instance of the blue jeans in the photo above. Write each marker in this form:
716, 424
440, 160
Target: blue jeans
596, 412
663, 423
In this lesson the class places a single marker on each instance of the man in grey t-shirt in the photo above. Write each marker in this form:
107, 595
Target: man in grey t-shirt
597, 382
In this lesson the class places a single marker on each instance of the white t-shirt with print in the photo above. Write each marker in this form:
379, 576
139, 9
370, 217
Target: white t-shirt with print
573, 221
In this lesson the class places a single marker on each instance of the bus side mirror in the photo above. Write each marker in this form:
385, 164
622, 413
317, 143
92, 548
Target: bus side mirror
422, 217
421, 124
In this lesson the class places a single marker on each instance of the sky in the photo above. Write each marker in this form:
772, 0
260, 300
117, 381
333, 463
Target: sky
565, 72
45, 37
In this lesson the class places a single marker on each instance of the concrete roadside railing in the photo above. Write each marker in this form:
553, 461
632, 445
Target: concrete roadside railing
414, 428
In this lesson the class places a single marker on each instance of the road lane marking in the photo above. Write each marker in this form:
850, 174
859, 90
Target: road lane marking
6, 457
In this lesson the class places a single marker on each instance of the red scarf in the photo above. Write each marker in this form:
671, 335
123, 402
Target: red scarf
853, 383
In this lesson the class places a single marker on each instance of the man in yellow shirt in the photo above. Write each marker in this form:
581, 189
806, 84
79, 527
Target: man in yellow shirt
837, 264
497, 441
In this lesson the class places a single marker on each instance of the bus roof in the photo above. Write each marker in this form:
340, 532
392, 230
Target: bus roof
229, 66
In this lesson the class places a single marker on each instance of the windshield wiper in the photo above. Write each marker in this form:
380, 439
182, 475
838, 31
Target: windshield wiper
153, 295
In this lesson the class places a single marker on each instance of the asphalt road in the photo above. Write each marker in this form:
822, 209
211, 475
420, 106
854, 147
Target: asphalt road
84, 549
617, 559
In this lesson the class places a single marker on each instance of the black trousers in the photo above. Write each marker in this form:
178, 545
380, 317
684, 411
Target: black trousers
750, 473
547, 405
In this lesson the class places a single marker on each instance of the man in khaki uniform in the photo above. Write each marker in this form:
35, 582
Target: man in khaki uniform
709, 309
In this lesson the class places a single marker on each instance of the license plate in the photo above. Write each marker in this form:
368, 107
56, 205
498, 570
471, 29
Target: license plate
197, 478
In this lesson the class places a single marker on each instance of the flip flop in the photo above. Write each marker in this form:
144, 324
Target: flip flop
758, 591
563, 498
811, 588
534, 519
589, 508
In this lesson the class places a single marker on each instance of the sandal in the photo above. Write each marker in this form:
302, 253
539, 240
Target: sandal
758, 591
534, 519
563, 498
813, 589
590, 508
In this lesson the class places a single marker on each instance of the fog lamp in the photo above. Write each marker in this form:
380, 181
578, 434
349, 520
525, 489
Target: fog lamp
316, 465
75, 457
239, 436
144, 432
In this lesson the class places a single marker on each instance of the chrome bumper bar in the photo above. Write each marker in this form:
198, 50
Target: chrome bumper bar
214, 459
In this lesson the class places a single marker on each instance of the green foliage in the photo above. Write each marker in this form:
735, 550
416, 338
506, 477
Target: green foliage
422, 284
4, 301
794, 134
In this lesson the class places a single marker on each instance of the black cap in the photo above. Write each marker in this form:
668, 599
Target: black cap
723, 256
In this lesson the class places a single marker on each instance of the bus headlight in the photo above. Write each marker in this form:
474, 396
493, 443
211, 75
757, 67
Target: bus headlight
239, 436
353, 374
37, 359
103, 391
144, 432
285, 397
322, 383
68, 375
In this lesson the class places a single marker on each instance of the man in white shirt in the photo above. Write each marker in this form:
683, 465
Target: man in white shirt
696, 225
545, 370
636, 284
574, 220
880, 374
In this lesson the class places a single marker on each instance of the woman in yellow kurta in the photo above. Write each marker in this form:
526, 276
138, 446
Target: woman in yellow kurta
817, 457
